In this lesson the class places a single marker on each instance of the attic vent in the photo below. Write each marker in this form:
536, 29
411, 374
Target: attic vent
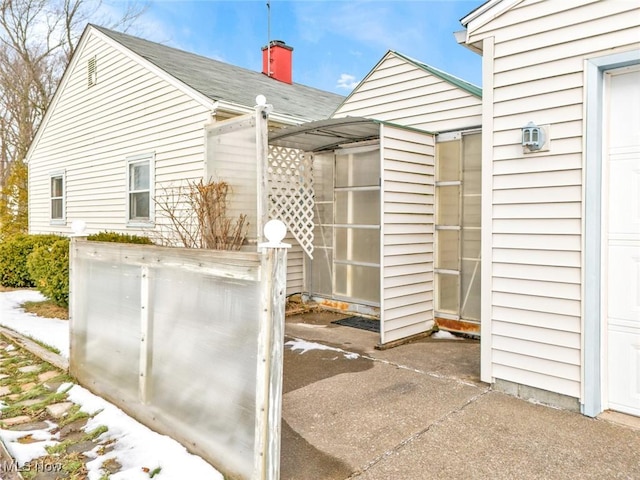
92, 78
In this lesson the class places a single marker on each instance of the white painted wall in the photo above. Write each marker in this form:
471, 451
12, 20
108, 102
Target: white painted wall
534, 61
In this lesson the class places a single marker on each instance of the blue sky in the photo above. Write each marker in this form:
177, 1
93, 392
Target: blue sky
336, 43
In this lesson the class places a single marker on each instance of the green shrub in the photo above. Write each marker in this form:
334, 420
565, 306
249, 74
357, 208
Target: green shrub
42, 261
119, 238
14, 251
49, 268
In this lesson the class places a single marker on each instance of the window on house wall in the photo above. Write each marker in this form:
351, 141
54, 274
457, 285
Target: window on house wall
57, 196
139, 196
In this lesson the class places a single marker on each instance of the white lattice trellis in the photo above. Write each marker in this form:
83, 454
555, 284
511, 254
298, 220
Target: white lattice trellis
291, 195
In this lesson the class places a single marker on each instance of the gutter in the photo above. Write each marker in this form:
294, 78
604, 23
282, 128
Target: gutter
461, 37
237, 109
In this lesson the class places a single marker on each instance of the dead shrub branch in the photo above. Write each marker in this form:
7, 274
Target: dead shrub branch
197, 217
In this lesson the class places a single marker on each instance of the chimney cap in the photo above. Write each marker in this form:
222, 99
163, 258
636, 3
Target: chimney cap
277, 43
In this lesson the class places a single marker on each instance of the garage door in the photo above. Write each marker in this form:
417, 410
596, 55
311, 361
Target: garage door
622, 238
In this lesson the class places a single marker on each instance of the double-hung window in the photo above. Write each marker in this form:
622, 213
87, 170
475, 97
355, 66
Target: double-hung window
140, 183
57, 197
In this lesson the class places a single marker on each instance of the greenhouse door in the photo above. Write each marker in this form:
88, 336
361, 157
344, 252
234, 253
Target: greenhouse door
346, 261
457, 243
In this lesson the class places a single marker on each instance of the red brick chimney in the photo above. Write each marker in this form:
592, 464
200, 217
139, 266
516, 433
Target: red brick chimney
280, 58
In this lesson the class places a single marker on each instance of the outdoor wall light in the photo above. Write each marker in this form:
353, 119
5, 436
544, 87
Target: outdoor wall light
533, 137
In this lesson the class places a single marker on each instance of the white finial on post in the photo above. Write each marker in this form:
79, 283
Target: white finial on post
79, 228
275, 231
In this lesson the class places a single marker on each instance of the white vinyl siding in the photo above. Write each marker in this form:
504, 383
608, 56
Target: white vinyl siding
403, 93
92, 131
407, 233
295, 265
536, 200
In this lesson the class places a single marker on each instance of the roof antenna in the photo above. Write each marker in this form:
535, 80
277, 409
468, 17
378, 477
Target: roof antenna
269, 39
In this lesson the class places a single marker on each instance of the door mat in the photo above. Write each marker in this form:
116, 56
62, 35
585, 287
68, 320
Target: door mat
359, 322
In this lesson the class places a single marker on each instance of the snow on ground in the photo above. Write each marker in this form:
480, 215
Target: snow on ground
51, 331
443, 335
136, 446
25, 452
305, 346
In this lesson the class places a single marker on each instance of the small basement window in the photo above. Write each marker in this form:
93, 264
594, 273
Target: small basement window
92, 77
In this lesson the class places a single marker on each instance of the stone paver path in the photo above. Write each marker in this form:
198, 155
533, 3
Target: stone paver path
35, 413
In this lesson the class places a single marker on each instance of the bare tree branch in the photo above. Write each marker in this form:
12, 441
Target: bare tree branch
37, 40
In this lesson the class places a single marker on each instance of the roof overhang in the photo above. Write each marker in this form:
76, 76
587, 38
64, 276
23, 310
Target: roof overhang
478, 11
326, 134
461, 38
479, 17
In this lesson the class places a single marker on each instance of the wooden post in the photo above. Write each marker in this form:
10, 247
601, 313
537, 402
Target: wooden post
262, 156
270, 360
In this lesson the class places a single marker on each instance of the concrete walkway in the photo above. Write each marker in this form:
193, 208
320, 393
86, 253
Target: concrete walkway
419, 411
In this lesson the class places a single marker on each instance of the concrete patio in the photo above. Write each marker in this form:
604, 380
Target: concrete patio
420, 411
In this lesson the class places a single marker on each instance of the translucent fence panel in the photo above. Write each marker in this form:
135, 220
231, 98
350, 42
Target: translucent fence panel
231, 157
173, 337
203, 345
110, 308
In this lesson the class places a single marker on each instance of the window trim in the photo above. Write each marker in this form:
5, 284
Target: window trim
142, 158
63, 219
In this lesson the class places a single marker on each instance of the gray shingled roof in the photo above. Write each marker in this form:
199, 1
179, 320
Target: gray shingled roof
221, 81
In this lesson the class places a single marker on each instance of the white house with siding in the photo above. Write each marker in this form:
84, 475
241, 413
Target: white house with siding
561, 218
133, 119
130, 118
